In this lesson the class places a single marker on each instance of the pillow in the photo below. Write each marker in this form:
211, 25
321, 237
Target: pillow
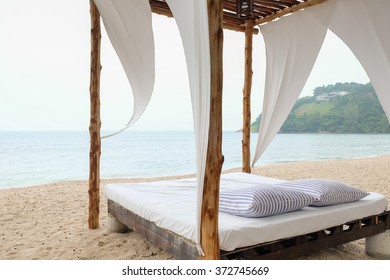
326, 192
263, 200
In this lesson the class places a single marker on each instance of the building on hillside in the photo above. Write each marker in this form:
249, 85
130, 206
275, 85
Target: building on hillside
328, 95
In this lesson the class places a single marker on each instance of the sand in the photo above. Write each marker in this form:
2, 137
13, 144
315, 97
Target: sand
50, 221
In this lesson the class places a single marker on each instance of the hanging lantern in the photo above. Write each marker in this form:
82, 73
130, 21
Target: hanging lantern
245, 9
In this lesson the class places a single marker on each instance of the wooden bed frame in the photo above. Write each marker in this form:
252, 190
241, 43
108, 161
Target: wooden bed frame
182, 248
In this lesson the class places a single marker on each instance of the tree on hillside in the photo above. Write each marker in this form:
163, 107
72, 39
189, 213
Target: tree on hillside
357, 112
347, 87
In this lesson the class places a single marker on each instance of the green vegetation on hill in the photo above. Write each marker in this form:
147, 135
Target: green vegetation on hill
339, 108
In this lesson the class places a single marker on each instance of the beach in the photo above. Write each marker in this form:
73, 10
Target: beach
50, 221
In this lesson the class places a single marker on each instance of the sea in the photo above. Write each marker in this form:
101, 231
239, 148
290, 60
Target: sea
34, 158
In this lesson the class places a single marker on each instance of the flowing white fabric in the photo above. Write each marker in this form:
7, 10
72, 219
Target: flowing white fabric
129, 27
192, 20
292, 46
364, 26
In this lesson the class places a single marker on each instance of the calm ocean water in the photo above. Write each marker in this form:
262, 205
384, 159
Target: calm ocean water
31, 158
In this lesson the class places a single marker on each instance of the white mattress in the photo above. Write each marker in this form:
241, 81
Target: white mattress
171, 205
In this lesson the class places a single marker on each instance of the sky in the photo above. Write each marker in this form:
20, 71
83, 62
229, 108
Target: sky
44, 72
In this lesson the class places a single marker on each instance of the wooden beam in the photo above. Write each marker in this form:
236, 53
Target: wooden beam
210, 205
246, 123
162, 9
95, 123
238, 28
287, 11
226, 25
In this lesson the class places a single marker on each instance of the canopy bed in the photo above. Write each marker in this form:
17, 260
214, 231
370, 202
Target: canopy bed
293, 31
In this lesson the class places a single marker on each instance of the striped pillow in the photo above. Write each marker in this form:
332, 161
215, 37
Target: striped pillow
262, 201
326, 192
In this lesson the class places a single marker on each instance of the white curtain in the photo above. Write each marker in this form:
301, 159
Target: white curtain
129, 27
292, 46
192, 20
364, 25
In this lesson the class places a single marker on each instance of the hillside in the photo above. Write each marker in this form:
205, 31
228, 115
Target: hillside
339, 108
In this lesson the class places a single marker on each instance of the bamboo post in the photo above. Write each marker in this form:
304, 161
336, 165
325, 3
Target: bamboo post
210, 205
246, 124
95, 123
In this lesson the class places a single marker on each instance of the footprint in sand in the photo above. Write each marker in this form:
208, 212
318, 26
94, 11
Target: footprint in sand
7, 217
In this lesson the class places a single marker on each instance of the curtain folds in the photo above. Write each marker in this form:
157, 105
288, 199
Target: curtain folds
364, 25
292, 46
192, 20
129, 28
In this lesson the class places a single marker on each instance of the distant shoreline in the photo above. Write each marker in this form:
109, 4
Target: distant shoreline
39, 158
332, 133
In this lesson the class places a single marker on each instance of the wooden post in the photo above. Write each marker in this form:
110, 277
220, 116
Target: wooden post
209, 214
246, 123
95, 123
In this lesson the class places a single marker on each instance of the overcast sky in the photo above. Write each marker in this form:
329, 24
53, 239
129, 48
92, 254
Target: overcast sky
44, 72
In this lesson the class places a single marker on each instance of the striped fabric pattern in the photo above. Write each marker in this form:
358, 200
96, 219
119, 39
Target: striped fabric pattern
263, 200
326, 192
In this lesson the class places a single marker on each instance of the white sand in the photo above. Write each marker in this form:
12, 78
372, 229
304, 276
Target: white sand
50, 221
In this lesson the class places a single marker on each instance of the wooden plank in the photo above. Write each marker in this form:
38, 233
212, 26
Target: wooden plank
177, 246
229, 23
289, 10
238, 28
276, 4
209, 238
155, 234
95, 122
123, 215
264, 11
181, 248
160, 8
246, 102
306, 244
